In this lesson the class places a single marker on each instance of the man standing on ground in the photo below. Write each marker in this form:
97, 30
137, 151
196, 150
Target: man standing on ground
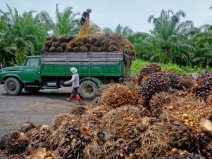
75, 85
85, 16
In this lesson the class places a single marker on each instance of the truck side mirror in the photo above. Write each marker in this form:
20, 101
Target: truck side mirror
1, 66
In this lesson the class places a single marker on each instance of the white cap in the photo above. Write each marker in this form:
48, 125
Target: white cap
73, 70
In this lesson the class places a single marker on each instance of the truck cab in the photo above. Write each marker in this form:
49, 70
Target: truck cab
18, 77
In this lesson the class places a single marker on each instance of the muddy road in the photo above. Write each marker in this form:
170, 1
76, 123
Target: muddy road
39, 108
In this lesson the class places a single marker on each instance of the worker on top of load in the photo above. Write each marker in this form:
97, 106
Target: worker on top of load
75, 85
85, 15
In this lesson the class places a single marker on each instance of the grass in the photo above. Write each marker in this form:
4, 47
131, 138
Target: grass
137, 64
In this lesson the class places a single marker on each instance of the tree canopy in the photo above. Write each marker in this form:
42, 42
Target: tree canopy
173, 39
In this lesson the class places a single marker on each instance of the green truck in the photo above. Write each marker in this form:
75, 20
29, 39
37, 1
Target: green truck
51, 69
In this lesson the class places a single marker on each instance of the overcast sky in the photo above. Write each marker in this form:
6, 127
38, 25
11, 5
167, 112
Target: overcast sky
110, 13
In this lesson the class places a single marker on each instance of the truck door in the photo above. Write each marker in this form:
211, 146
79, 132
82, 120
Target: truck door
32, 70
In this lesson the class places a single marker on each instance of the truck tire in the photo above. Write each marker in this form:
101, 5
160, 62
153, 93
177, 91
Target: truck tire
88, 89
13, 86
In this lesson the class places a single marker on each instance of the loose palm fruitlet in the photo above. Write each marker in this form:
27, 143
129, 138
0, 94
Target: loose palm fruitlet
147, 70
203, 86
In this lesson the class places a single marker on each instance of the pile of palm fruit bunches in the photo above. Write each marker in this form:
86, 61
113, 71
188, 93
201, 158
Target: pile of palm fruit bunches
159, 115
104, 42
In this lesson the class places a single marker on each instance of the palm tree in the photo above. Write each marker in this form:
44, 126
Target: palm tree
107, 30
169, 33
6, 49
125, 31
203, 42
24, 32
66, 21
140, 42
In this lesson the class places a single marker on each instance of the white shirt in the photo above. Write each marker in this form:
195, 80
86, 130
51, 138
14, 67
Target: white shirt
74, 80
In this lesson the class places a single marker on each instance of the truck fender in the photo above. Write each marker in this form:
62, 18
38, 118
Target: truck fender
12, 75
96, 80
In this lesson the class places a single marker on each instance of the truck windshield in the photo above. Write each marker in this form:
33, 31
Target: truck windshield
33, 62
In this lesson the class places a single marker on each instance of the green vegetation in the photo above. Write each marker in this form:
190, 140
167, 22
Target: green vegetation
137, 64
24, 34
174, 43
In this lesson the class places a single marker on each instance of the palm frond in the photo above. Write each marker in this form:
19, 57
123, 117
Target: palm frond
150, 18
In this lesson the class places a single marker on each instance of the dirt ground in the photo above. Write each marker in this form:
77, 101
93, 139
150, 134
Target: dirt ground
37, 108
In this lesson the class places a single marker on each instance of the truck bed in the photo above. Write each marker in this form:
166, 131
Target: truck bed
88, 63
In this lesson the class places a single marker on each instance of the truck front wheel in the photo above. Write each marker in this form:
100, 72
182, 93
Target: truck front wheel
13, 86
88, 89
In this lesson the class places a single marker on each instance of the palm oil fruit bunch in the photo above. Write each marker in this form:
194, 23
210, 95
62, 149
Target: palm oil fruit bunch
180, 154
27, 127
116, 149
147, 70
72, 144
156, 82
163, 81
202, 142
56, 44
159, 100
207, 150
40, 153
79, 110
179, 81
117, 95
190, 111
180, 132
203, 86
39, 136
106, 42
124, 122
14, 143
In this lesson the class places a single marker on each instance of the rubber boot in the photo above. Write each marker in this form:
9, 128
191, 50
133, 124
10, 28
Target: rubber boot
71, 97
78, 98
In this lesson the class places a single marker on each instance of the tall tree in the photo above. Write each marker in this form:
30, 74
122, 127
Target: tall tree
108, 30
6, 49
125, 31
66, 22
203, 43
168, 32
24, 32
